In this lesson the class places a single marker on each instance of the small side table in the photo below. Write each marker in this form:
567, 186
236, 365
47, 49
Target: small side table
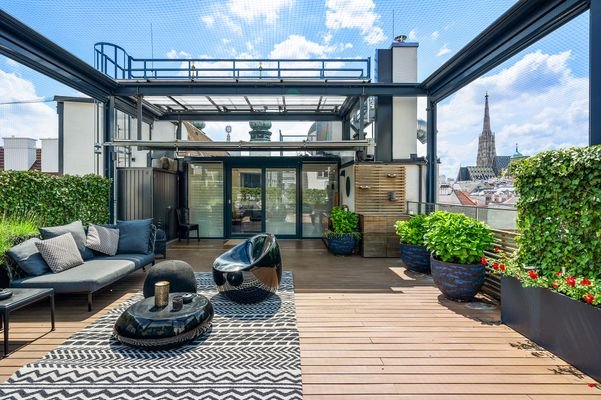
20, 299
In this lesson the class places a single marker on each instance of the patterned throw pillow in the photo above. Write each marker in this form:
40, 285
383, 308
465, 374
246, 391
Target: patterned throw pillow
60, 253
103, 240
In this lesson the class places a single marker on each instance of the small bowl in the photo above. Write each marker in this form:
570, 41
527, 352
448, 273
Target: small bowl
188, 297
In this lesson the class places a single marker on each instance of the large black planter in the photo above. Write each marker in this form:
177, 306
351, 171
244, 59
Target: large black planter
342, 246
457, 281
566, 327
416, 258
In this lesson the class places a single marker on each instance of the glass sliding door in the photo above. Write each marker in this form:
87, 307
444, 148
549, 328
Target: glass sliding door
280, 201
205, 198
319, 190
246, 201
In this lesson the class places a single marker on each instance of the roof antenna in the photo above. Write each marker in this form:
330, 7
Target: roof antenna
152, 45
393, 22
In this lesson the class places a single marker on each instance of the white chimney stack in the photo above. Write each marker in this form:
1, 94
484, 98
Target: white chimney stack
19, 153
49, 155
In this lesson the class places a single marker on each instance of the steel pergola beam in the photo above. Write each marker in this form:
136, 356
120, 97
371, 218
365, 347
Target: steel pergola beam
296, 88
26, 46
241, 145
245, 116
519, 27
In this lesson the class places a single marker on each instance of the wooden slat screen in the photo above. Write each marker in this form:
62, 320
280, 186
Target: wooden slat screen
505, 241
374, 182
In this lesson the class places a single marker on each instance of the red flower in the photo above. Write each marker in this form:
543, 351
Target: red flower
558, 273
532, 273
592, 385
589, 298
483, 261
495, 266
585, 282
571, 281
502, 267
496, 249
555, 285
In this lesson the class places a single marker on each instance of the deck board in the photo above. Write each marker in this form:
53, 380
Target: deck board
368, 329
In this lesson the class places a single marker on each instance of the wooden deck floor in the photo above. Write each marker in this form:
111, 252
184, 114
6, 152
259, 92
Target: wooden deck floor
368, 330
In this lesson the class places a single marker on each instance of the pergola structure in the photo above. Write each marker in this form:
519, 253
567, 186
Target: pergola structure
282, 92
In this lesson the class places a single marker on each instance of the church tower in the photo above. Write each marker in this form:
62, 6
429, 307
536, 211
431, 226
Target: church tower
486, 141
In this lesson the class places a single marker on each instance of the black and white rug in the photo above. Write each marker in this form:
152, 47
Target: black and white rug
252, 352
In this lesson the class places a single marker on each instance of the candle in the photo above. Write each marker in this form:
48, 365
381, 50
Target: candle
178, 303
161, 293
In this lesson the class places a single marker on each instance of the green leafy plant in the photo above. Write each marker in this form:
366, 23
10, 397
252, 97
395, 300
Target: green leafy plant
344, 223
457, 238
317, 198
14, 229
413, 230
55, 200
559, 212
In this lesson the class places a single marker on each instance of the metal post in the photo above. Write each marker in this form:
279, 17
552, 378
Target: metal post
109, 152
178, 132
431, 134
594, 132
361, 134
139, 116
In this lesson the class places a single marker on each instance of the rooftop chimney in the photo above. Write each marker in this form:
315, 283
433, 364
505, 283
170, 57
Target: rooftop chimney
19, 153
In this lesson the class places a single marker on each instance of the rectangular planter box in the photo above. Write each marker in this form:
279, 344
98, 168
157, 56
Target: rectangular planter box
566, 327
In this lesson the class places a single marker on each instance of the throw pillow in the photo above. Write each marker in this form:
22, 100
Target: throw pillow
29, 259
103, 240
79, 235
134, 236
61, 252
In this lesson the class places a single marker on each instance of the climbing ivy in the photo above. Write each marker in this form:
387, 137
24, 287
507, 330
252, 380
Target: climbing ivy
559, 211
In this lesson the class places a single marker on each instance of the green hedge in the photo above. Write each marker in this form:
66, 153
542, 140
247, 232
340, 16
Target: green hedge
559, 211
55, 200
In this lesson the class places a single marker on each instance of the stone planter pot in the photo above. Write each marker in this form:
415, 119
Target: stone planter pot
459, 282
342, 246
566, 327
416, 258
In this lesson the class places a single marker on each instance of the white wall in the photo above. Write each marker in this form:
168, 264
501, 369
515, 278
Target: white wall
19, 153
404, 109
164, 130
139, 157
79, 137
412, 182
344, 199
49, 155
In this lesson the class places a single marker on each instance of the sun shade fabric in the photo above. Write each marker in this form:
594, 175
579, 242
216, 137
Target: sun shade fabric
60, 253
103, 240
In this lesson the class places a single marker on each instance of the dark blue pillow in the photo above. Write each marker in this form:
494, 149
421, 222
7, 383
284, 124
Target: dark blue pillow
29, 259
134, 236
74, 228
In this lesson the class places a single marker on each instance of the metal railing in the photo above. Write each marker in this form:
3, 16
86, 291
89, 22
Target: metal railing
114, 61
504, 219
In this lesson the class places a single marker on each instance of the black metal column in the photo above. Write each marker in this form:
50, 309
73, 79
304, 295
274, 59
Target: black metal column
594, 133
432, 157
109, 153
139, 116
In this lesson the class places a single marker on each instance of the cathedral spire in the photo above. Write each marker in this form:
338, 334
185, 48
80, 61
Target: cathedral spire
486, 124
487, 152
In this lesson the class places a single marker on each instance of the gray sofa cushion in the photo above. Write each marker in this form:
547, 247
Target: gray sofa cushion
134, 236
60, 253
79, 234
103, 240
140, 260
88, 277
28, 257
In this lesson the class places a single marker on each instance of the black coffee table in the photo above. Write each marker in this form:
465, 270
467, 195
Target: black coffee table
19, 299
146, 326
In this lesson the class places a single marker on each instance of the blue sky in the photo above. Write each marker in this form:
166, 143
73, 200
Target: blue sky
523, 92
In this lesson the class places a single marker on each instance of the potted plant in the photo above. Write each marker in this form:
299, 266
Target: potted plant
343, 236
414, 253
457, 261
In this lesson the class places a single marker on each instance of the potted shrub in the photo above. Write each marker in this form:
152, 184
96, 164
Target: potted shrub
343, 236
414, 253
457, 261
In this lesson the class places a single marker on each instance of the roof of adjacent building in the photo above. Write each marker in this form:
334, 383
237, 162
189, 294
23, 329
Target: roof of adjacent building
501, 163
36, 166
464, 198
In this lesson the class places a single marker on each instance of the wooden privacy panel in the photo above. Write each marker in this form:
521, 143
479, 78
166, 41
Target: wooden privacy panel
378, 236
374, 184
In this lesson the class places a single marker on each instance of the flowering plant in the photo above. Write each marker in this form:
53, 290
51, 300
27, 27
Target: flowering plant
576, 287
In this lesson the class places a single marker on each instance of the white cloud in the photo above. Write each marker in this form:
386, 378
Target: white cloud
296, 46
208, 20
327, 38
412, 35
226, 40
443, 50
35, 120
355, 14
435, 35
536, 102
265, 11
12, 63
173, 54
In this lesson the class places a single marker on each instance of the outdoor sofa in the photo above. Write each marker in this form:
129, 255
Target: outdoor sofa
135, 251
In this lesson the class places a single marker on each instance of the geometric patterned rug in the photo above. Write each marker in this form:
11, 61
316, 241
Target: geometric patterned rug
251, 352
